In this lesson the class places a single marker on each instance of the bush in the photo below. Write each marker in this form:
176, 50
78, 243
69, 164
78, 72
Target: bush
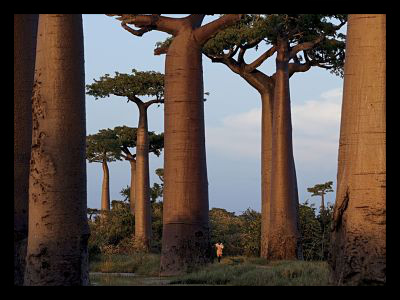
315, 231
239, 234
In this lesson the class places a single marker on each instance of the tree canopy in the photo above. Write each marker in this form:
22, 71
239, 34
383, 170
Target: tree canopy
317, 36
103, 146
321, 189
126, 137
114, 144
148, 83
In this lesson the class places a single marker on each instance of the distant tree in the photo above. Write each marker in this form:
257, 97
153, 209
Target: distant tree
126, 137
103, 147
131, 86
321, 190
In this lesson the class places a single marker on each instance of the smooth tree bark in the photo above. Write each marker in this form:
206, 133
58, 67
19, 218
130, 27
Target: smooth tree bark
132, 189
58, 229
25, 33
358, 237
103, 148
142, 181
105, 187
283, 230
265, 85
186, 240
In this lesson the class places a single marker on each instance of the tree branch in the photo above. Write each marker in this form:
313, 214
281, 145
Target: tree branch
205, 32
147, 23
195, 20
241, 54
294, 68
148, 103
255, 64
305, 46
136, 100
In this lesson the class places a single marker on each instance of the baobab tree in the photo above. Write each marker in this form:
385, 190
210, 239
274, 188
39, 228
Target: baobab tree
186, 240
25, 32
127, 139
58, 228
321, 190
358, 238
103, 147
323, 46
130, 86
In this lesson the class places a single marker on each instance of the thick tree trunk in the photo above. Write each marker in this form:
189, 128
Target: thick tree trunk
133, 184
105, 188
25, 32
58, 229
142, 185
185, 241
358, 247
284, 236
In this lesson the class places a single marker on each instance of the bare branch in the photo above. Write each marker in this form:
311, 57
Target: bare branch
205, 32
147, 23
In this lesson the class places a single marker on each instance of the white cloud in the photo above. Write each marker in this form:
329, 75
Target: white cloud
316, 125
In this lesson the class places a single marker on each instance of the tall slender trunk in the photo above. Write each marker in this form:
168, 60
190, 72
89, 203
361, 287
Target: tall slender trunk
322, 202
25, 32
266, 161
105, 188
358, 240
284, 235
142, 185
186, 240
133, 184
58, 228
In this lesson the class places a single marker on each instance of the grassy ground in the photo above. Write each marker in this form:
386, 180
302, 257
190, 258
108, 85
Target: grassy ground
231, 271
257, 271
139, 263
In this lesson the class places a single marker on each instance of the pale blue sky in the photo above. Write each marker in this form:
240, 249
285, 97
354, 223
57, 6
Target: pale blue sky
232, 118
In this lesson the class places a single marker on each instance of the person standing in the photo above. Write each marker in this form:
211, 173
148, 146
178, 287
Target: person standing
219, 247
